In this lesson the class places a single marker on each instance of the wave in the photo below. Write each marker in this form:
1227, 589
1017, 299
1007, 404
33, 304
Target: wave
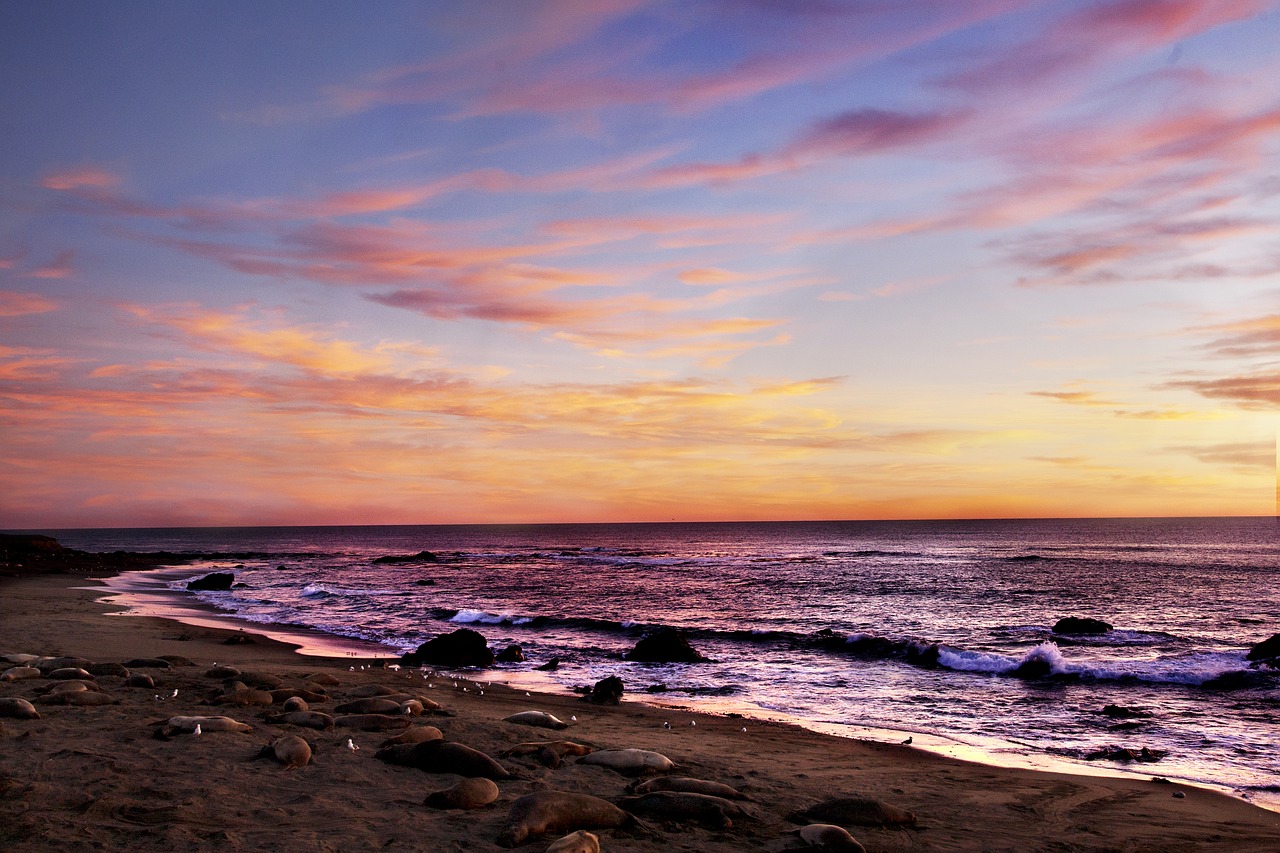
482, 617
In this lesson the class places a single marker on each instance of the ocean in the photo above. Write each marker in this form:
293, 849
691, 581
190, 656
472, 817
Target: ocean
870, 629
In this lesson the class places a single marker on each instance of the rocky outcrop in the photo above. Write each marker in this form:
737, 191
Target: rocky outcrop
665, 646
1080, 625
462, 647
607, 691
511, 654
213, 581
394, 559
1268, 651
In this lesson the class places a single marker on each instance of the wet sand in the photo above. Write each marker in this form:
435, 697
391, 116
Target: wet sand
95, 778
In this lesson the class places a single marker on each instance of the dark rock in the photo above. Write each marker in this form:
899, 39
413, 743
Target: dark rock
1035, 667
1120, 712
462, 647
1267, 650
1239, 679
424, 582
214, 581
21, 543
1080, 625
511, 654
420, 557
608, 691
665, 646
1123, 754
239, 639
549, 666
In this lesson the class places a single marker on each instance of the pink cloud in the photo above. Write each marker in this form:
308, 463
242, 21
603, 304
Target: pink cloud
86, 177
13, 304
59, 267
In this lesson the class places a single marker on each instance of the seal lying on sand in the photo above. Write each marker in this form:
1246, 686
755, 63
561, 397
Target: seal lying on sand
468, 794
630, 762
304, 719
373, 722
290, 750
18, 708
18, 673
547, 753
544, 812
828, 837
682, 806
415, 735
373, 705
576, 842
857, 811
441, 756
688, 785
540, 719
187, 725
79, 698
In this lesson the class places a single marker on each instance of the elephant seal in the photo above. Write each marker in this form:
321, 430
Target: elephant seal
290, 750
147, 663
541, 719
50, 664
364, 691
323, 679
547, 753
857, 811
372, 722
245, 698
830, 837
304, 719
471, 793
296, 703
629, 762
18, 708
18, 673
140, 679
683, 806
68, 687
284, 694
442, 756
20, 659
687, 785
544, 812
414, 735
116, 670
69, 672
79, 698
413, 708
576, 842
370, 705
187, 725
222, 672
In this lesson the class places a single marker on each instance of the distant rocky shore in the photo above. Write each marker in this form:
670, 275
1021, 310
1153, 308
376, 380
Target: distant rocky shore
33, 554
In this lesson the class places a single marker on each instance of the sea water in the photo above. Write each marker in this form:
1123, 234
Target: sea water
908, 627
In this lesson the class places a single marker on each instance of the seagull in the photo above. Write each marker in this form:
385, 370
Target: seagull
197, 731
574, 718
526, 693
666, 725
351, 745
175, 695
744, 728
693, 722
481, 692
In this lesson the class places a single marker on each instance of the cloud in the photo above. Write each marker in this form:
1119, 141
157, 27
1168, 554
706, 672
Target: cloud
14, 304
1247, 338
75, 179
1075, 397
1260, 390
1249, 456
59, 267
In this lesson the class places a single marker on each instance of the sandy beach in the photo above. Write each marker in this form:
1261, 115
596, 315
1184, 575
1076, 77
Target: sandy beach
97, 777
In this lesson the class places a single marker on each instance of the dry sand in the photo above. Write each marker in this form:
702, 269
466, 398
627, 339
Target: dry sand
94, 778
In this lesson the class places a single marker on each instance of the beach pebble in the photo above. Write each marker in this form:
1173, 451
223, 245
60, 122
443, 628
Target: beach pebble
18, 708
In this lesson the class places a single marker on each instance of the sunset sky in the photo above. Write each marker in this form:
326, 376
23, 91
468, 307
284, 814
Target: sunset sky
330, 262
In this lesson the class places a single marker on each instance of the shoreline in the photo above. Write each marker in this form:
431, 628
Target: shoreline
310, 642
125, 789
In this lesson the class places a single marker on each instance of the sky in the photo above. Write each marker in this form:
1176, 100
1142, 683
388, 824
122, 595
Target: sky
626, 260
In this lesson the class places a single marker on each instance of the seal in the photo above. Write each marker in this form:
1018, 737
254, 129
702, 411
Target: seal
68, 687
576, 842
78, 698
413, 708
858, 811
688, 785
630, 762
682, 806
245, 697
372, 722
187, 725
140, 679
549, 753
69, 672
222, 672
323, 679
19, 658
366, 690
442, 756
544, 812
290, 750
296, 703
304, 719
18, 708
830, 837
369, 706
540, 719
284, 694
414, 735
467, 794
18, 673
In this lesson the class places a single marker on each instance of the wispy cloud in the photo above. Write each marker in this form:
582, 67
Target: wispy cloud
14, 304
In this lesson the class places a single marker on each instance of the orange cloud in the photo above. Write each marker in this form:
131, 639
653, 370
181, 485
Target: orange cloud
89, 176
59, 267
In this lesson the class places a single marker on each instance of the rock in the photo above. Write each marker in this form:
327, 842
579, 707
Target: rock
22, 543
1239, 679
424, 582
511, 654
549, 666
607, 691
1267, 650
1120, 712
665, 646
420, 557
213, 580
1080, 625
239, 639
1116, 753
462, 647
